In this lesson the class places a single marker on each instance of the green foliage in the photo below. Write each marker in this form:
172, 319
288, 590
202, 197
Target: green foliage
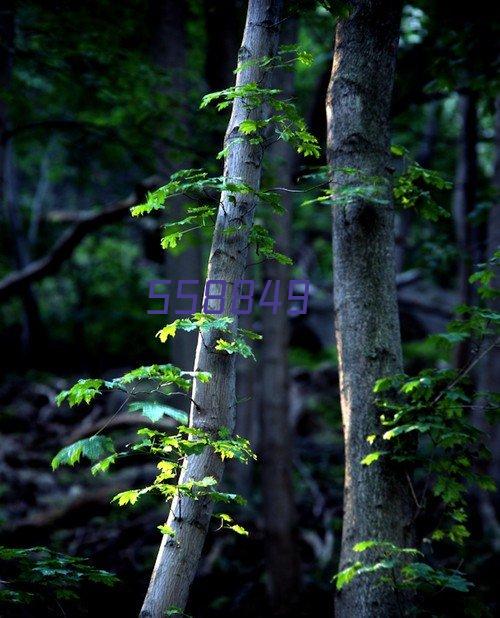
226, 521
93, 448
286, 120
194, 184
397, 567
264, 245
171, 449
155, 411
285, 58
354, 185
207, 322
436, 404
83, 391
238, 346
37, 574
416, 189
187, 441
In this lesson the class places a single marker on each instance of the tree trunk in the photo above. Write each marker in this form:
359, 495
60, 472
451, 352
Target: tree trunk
464, 202
487, 376
178, 558
31, 338
276, 448
376, 498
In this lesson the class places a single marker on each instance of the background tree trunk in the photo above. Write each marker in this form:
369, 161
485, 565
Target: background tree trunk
178, 558
276, 448
376, 497
31, 336
464, 202
489, 372
169, 50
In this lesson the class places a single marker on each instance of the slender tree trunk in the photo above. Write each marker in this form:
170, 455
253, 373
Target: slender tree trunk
487, 376
32, 327
464, 202
276, 448
376, 498
178, 558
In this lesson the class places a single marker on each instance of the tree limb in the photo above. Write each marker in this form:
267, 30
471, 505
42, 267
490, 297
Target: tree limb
69, 240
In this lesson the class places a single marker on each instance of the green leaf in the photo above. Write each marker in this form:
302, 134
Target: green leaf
372, 457
155, 411
166, 530
130, 496
347, 575
104, 465
167, 331
93, 448
83, 391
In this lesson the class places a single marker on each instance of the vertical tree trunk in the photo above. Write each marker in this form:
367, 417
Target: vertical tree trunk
492, 370
276, 448
376, 498
464, 201
32, 326
487, 376
178, 558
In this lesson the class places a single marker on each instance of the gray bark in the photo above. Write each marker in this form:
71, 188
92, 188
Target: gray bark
377, 501
276, 449
178, 558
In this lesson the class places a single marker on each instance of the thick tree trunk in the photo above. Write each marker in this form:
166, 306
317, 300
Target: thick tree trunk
178, 558
464, 202
276, 448
376, 498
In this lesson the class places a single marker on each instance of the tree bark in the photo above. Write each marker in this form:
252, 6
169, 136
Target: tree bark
178, 558
487, 376
276, 449
377, 503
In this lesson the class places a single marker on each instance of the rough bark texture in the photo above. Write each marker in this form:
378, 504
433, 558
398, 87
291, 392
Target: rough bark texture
178, 558
464, 202
376, 498
276, 447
